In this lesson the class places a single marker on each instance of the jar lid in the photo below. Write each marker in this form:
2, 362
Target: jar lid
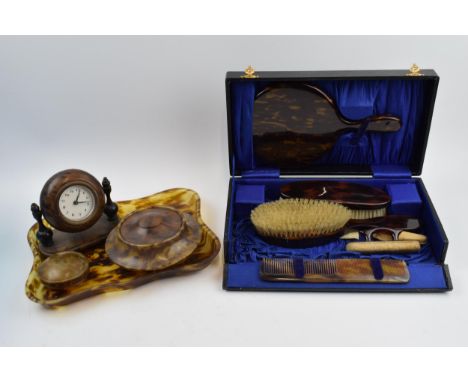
153, 227
153, 238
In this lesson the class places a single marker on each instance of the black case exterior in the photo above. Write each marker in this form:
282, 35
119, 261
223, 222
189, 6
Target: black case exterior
415, 166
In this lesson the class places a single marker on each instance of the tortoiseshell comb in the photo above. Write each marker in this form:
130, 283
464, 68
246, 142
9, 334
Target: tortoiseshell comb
335, 270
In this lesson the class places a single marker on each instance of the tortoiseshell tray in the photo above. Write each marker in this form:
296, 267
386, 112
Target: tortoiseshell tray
105, 276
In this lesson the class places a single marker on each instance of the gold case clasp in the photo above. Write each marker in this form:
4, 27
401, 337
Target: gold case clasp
414, 71
249, 73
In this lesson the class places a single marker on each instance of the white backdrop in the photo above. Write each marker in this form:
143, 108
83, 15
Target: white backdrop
150, 114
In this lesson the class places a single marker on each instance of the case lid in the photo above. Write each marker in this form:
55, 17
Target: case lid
329, 122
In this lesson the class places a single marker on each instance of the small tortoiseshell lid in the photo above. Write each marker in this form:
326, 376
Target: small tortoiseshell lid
152, 239
153, 226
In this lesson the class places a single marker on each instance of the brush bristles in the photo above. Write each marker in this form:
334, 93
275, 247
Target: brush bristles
297, 219
368, 214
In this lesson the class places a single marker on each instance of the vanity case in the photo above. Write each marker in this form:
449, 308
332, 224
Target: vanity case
381, 121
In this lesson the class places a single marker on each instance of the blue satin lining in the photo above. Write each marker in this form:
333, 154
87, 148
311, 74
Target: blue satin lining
356, 99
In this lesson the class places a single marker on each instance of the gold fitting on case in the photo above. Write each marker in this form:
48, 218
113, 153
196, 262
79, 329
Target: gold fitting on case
249, 73
414, 71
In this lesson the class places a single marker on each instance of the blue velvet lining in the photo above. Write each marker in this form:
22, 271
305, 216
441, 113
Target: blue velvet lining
356, 99
405, 199
390, 171
246, 248
250, 194
377, 268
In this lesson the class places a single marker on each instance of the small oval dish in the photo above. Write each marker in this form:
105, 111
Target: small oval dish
63, 269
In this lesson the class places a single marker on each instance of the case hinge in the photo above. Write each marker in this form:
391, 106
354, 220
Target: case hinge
390, 171
261, 173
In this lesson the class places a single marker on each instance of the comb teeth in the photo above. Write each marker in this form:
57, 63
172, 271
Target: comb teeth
320, 267
285, 267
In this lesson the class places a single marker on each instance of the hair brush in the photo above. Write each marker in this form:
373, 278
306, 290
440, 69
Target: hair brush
295, 221
363, 201
298, 219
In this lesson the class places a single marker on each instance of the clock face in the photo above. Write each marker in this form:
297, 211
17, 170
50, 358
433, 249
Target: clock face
72, 200
77, 203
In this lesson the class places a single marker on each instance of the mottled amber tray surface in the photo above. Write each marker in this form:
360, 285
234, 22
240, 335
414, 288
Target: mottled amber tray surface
105, 276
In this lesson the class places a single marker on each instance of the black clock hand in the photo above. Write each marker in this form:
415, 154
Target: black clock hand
77, 196
85, 201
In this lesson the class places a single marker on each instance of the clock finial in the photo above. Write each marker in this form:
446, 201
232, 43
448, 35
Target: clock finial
111, 208
43, 234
